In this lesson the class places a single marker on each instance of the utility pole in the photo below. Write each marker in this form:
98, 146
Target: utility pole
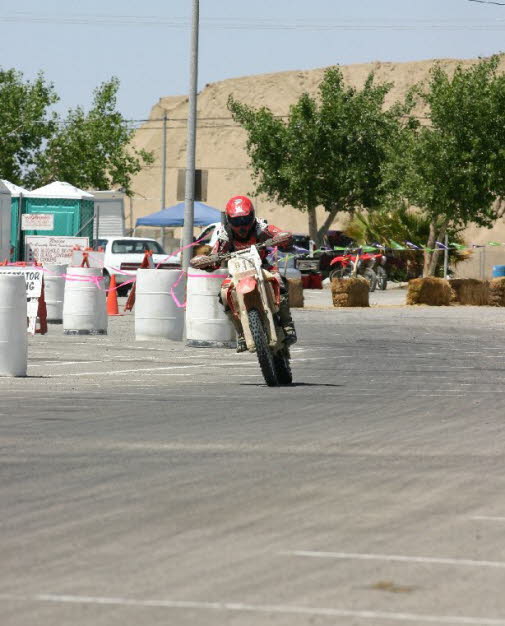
164, 161
189, 195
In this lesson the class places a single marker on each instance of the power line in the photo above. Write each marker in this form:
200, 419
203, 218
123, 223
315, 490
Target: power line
500, 4
132, 123
235, 124
201, 167
264, 24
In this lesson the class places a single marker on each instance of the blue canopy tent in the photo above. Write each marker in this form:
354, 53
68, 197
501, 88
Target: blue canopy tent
174, 216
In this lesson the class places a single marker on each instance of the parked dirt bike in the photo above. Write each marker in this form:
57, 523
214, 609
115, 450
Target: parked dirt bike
344, 266
253, 296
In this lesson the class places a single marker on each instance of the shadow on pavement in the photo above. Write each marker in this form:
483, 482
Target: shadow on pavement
262, 384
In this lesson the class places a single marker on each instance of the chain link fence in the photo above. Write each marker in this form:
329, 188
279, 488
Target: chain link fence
480, 263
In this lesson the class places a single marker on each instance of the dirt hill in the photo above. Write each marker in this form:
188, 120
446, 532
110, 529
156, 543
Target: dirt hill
221, 143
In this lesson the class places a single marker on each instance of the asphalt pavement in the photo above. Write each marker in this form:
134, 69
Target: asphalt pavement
150, 483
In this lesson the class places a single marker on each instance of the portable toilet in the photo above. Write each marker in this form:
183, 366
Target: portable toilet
73, 209
5, 222
109, 214
17, 194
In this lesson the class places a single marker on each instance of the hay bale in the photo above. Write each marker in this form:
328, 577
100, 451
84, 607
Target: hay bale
497, 292
295, 292
350, 292
469, 291
432, 291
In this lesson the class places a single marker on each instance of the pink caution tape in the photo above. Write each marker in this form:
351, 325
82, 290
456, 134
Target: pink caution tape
205, 276
98, 280
172, 293
190, 245
182, 305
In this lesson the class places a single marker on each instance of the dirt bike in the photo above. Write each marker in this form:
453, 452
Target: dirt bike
253, 297
348, 265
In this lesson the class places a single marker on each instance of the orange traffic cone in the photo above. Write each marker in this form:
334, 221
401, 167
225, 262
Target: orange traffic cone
112, 306
147, 263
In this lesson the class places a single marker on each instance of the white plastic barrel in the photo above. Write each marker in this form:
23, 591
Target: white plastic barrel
206, 322
13, 338
84, 311
157, 315
54, 291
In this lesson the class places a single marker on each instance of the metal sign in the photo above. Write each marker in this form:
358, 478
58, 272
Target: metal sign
46, 249
33, 279
37, 221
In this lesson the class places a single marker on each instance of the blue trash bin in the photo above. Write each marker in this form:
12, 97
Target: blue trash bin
498, 271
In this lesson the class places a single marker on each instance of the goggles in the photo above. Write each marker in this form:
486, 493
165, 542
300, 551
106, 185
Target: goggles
242, 220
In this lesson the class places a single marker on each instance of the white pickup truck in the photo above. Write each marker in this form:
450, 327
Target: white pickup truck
123, 256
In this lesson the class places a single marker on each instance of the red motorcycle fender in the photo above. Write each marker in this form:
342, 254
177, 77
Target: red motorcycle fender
246, 285
340, 259
227, 292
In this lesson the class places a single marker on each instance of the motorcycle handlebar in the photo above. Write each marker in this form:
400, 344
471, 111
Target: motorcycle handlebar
206, 261
224, 257
216, 259
275, 241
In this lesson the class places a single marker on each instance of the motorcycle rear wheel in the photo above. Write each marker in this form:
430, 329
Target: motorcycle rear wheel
371, 276
265, 356
283, 367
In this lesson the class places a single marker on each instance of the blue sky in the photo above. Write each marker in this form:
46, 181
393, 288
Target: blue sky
80, 43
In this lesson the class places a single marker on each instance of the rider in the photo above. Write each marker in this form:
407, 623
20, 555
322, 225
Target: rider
243, 229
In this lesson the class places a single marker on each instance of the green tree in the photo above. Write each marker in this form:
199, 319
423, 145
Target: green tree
25, 123
453, 166
92, 150
329, 152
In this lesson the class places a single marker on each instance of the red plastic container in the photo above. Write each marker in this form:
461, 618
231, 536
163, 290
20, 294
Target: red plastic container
306, 281
316, 281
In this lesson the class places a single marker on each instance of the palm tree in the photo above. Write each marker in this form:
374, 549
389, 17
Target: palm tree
397, 228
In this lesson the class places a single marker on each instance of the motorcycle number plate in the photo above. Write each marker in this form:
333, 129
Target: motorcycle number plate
240, 265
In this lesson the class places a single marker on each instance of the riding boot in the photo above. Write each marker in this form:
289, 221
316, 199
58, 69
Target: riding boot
241, 343
286, 320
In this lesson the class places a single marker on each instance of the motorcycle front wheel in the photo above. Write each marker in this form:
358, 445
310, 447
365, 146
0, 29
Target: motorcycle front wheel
283, 367
265, 356
340, 273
